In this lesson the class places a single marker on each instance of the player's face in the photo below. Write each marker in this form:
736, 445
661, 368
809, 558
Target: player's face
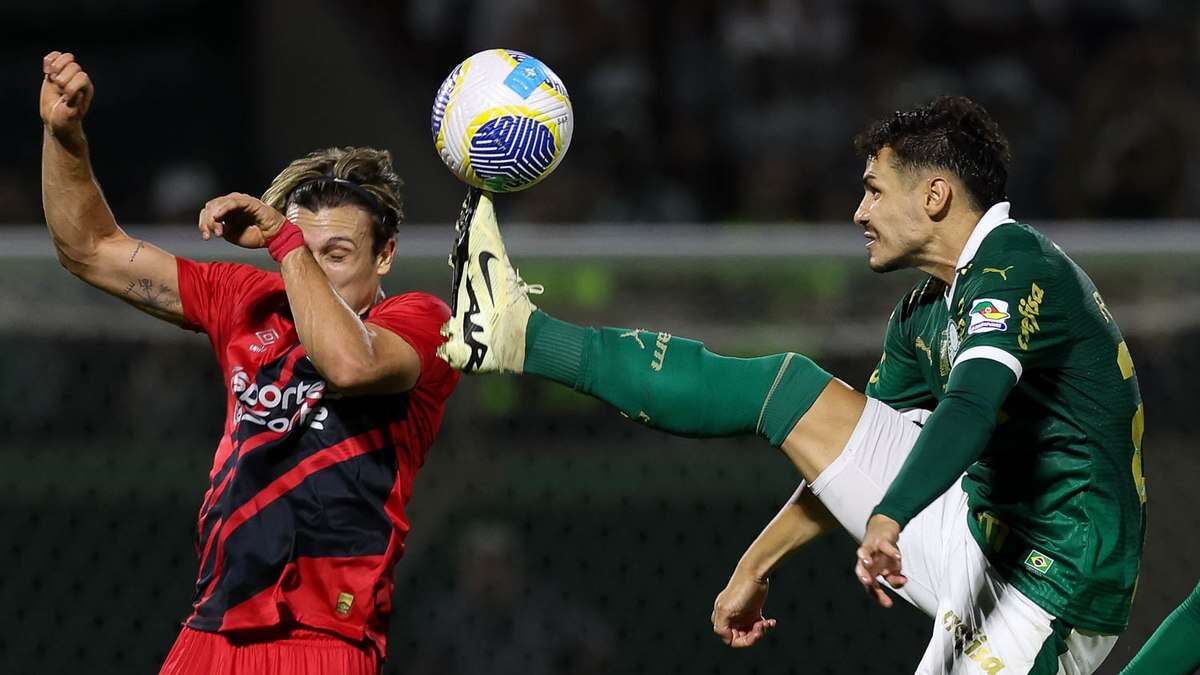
891, 215
341, 238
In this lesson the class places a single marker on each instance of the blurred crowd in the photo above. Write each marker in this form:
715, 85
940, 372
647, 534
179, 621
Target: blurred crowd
744, 110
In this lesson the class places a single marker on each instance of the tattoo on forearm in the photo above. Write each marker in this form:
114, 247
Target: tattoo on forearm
140, 246
153, 296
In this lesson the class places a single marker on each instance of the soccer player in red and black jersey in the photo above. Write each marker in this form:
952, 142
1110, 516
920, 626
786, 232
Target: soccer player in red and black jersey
334, 394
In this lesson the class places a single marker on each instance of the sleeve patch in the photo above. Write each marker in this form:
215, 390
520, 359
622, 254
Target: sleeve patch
988, 315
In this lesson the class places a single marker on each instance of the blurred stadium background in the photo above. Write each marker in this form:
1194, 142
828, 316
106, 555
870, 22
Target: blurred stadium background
708, 192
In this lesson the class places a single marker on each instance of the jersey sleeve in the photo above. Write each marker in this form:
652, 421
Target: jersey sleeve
417, 318
1014, 313
953, 438
897, 380
211, 294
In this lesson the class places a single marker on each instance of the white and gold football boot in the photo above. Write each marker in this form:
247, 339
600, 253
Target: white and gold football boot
489, 301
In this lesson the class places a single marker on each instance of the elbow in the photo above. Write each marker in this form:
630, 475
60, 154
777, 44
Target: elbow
348, 376
351, 376
82, 256
73, 259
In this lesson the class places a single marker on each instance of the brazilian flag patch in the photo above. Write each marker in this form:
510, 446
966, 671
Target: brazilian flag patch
1038, 562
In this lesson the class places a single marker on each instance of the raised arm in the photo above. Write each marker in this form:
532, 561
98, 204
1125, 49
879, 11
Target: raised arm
355, 357
86, 237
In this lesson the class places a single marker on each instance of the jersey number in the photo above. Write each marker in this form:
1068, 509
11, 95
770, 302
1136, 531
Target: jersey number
1125, 363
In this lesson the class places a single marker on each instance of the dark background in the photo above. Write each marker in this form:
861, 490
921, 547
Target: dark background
686, 110
549, 535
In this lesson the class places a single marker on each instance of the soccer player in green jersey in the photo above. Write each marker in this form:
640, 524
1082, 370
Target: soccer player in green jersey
1018, 502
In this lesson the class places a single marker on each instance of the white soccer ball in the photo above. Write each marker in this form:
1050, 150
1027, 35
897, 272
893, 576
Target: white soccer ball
502, 120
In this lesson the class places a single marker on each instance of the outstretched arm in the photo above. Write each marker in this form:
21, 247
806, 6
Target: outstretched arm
737, 612
86, 237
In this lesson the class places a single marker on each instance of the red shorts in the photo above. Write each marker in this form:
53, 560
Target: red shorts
289, 652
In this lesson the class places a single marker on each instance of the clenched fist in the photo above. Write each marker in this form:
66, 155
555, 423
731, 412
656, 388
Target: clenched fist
66, 95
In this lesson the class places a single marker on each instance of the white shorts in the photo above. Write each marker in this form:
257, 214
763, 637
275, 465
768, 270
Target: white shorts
981, 623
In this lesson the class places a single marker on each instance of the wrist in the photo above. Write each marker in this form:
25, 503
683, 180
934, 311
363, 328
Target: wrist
758, 571
885, 515
287, 238
69, 136
280, 222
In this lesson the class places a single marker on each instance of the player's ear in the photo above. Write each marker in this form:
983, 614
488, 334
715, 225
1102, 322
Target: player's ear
937, 197
383, 260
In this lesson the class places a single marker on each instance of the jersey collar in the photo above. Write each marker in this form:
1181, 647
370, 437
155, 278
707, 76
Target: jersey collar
996, 216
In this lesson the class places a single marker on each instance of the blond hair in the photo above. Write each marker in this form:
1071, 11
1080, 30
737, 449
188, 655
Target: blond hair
339, 176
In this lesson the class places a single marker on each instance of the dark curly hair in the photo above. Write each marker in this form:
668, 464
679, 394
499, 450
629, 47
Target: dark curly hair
952, 133
308, 182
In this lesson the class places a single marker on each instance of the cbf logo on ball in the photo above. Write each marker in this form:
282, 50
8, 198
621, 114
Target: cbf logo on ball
502, 120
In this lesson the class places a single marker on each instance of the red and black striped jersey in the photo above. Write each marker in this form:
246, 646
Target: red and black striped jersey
303, 521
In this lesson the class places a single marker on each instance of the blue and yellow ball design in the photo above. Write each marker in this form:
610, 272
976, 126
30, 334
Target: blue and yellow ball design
502, 120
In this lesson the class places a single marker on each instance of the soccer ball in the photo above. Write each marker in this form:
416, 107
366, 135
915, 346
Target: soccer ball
502, 120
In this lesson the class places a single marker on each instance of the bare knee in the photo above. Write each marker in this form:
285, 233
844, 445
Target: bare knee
822, 432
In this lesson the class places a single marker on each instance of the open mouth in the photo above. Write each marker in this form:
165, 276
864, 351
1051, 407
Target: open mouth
871, 239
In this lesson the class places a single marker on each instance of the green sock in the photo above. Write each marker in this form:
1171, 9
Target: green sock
675, 384
1174, 649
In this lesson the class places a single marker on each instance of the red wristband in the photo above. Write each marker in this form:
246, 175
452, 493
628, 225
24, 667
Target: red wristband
290, 238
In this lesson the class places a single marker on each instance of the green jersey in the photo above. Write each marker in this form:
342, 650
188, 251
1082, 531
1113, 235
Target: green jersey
1057, 501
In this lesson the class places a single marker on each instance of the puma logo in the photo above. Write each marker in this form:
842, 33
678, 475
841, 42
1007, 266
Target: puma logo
634, 334
925, 348
1002, 272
